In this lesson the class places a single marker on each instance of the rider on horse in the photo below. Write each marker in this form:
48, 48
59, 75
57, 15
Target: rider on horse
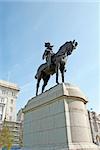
48, 53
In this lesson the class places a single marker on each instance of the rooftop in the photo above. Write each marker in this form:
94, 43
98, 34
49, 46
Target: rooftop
9, 85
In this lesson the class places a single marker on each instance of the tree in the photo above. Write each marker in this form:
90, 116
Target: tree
6, 139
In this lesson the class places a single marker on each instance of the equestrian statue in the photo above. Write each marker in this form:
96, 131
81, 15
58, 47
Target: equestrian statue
54, 63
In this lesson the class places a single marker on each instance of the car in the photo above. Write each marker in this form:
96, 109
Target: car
16, 148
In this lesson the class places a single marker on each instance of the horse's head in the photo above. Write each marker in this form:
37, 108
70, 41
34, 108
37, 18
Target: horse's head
70, 46
74, 43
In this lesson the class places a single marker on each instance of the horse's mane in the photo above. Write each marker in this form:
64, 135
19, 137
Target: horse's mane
61, 48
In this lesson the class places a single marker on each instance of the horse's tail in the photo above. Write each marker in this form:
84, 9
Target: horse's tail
41, 67
36, 76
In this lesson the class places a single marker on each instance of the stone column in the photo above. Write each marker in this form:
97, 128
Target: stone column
58, 120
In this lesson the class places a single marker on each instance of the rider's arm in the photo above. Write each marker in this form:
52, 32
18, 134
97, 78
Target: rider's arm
44, 55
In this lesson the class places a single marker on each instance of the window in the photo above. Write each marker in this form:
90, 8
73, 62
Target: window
99, 125
3, 91
1, 109
2, 100
0, 116
95, 126
13, 94
0, 91
12, 101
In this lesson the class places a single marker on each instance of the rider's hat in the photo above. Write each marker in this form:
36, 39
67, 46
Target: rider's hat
47, 44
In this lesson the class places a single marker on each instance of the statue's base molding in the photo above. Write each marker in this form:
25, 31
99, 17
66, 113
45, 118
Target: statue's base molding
83, 146
72, 146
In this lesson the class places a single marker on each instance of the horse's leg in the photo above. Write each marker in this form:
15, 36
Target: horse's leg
57, 76
46, 79
37, 86
57, 69
62, 74
62, 69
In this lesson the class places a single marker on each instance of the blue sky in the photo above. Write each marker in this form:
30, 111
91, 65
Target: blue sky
25, 26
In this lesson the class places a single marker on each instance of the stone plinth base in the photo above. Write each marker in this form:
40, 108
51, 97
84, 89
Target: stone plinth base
83, 146
58, 120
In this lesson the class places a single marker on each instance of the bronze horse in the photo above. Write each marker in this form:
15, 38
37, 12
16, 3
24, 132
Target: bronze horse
58, 63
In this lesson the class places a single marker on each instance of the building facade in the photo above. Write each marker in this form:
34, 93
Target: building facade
95, 126
8, 97
20, 119
20, 116
14, 128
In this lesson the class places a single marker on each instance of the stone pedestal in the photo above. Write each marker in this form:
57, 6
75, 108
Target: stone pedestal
58, 120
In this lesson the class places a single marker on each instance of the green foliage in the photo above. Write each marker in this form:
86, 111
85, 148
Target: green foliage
6, 139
